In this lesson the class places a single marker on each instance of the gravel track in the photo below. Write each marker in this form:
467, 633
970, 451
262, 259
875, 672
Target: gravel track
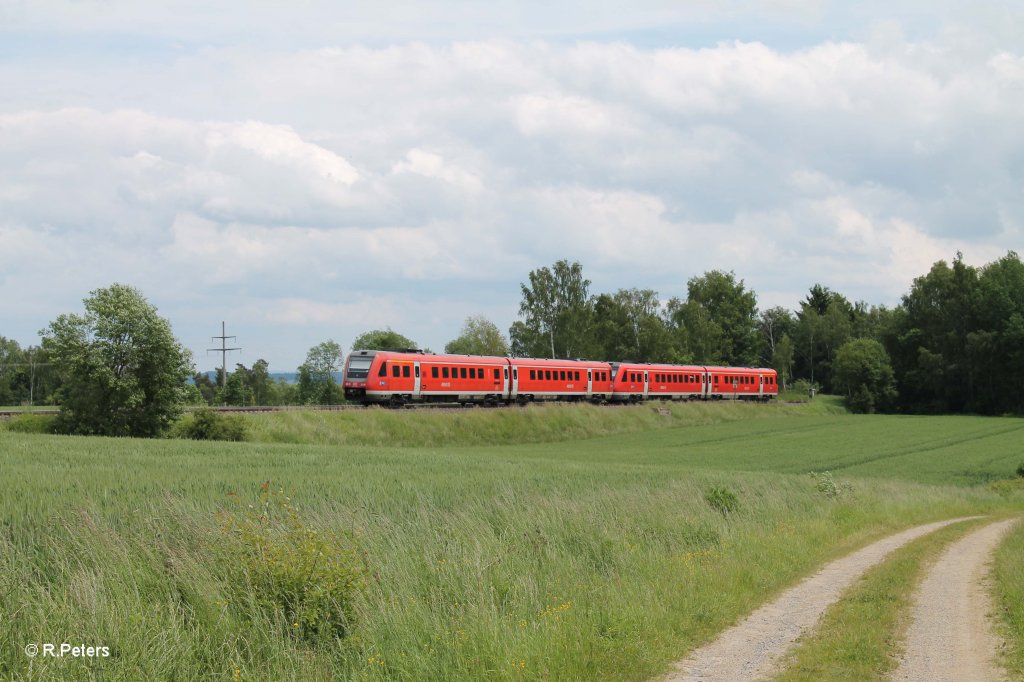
951, 637
752, 649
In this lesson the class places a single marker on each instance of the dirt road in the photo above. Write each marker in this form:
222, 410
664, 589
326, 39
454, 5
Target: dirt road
752, 649
951, 637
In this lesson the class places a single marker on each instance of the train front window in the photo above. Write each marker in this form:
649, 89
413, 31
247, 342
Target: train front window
359, 367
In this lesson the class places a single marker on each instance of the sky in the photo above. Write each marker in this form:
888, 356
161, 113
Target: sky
315, 169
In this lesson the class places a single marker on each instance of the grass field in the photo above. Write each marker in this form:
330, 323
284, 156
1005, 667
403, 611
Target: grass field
604, 549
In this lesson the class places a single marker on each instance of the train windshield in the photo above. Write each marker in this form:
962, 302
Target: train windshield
359, 366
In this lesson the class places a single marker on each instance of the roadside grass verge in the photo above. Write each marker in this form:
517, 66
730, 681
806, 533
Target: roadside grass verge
505, 563
861, 635
1008, 574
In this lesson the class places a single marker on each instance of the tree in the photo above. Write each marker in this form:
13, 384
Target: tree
479, 336
123, 373
26, 376
863, 373
929, 347
774, 324
825, 322
717, 324
382, 339
206, 386
260, 384
317, 384
10, 362
557, 313
782, 360
238, 391
629, 325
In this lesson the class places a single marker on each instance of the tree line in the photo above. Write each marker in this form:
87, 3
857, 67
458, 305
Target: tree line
955, 343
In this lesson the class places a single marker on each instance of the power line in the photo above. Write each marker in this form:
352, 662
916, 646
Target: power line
224, 354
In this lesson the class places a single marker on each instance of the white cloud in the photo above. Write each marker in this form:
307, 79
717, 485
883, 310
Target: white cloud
392, 185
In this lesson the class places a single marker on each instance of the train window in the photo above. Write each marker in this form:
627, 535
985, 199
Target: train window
547, 375
562, 373
395, 371
406, 372
444, 372
472, 372
497, 373
533, 375
462, 372
383, 369
433, 372
577, 376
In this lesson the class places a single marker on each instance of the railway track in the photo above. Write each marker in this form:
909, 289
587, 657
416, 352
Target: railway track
230, 409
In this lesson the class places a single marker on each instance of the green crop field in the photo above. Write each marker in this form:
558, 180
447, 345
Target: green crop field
605, 547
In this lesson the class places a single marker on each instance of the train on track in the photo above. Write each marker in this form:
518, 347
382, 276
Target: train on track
410, 376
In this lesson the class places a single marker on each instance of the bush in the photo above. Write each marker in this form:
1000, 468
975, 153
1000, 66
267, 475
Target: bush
827, 485
1020, 470
301, 578
205, 424
33, 423
723, 500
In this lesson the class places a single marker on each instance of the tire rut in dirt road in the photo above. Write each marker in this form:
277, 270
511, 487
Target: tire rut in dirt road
950, 637
752, 649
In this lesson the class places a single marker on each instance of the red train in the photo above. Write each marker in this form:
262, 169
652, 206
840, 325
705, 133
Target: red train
400, 377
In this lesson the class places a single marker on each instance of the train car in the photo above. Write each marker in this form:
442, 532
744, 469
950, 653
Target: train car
742, 383
674, 382
634, 381
630, 382
400, 377
535, 379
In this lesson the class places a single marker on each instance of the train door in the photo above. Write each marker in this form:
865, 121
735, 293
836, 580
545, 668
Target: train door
647, 383
706, 388
416, 384
511, 387
590, 382
760, 390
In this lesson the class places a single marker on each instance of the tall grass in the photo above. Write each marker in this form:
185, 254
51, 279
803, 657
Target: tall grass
599, 559
1008, 573
536, 423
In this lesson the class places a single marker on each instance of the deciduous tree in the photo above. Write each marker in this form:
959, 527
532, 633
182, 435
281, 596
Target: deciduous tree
382, 339
123, 372
557, 313
718, 321
317, 383
864, 375
479, 336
